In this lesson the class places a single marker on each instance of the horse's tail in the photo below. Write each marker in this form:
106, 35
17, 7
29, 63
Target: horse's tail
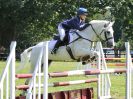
25, 57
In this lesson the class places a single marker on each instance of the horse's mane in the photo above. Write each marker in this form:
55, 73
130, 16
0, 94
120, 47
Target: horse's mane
102, 22
98, 21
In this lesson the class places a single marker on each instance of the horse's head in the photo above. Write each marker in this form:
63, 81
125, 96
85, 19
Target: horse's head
109, 34
103, 31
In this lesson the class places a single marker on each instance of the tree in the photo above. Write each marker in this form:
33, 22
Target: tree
31, 21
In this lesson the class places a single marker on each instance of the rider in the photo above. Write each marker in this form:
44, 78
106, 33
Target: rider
77, 23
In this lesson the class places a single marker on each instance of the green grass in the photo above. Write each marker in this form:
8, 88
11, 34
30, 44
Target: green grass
118, 82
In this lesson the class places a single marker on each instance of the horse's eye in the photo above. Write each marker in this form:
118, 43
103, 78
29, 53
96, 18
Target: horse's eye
108, 32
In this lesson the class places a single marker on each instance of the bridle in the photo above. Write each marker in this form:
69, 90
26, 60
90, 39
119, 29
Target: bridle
99, 36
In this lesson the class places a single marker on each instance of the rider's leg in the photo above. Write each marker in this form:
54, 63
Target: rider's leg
62, 36
61, 31
56, 47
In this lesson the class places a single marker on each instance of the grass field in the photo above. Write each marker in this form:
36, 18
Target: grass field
118, 82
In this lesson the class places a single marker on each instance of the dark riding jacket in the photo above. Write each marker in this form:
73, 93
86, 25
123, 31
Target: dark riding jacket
73, 23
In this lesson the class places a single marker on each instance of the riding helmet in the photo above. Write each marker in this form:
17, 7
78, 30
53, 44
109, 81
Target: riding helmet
82, 11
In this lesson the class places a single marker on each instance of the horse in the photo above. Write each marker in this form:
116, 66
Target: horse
80, 46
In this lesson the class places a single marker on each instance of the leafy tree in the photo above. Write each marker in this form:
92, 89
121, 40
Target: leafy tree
123, 13
32, 21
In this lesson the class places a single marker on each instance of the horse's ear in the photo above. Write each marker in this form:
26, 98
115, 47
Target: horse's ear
110, 24
106, 25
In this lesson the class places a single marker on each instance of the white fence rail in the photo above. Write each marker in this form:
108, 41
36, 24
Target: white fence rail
7, 80
10, 68
43, 56
104, 83
129, 74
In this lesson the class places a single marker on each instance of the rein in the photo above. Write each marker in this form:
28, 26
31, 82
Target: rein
99, 36
81, 37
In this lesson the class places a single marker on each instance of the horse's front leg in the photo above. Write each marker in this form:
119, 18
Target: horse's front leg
28, 80
94, 57
85, 59
87, 56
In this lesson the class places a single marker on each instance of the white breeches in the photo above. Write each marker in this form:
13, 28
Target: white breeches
61, 32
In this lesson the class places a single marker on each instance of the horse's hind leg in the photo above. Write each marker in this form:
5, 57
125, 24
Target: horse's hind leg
31, 71
49, 62
32, 67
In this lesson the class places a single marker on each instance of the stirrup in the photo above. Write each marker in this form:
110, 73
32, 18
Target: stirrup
54, 51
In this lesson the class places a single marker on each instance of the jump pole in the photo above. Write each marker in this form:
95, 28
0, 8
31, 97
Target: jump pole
116, 58
45, 68
55, 84
85, 72
106, 91
104, 83
129, 72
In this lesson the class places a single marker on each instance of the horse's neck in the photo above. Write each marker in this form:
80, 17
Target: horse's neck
88, 34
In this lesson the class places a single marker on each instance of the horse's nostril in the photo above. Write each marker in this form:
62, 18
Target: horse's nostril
109, 44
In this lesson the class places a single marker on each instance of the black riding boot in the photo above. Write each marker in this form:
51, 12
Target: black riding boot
56, 47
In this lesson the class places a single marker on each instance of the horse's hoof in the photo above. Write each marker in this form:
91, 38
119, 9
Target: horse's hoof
23, 93
20, 95
89, 61
93, 58
83, 63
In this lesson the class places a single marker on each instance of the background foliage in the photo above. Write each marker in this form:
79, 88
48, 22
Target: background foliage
31, 21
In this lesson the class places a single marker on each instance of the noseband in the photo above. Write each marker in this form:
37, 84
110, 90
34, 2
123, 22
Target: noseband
106, 38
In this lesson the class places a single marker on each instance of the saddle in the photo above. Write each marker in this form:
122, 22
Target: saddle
64, 42
60, 43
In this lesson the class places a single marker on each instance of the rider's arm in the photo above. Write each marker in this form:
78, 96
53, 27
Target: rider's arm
84, 27
74, 23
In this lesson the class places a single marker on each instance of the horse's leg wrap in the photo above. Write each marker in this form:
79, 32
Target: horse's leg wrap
89, 58
93, 58
85, 59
